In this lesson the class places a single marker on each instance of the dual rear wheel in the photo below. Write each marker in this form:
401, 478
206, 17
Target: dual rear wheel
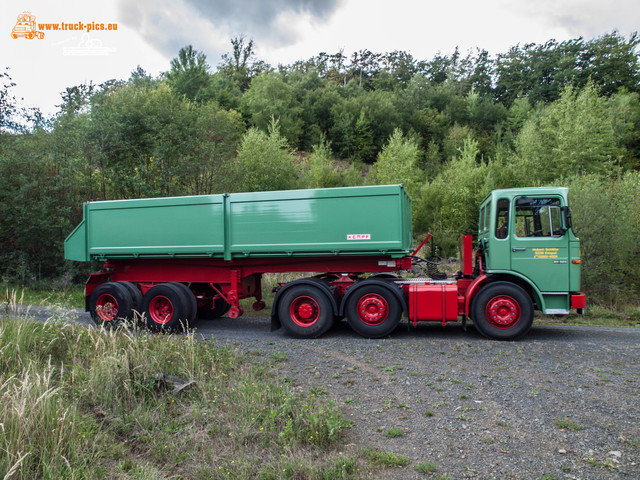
372, 310
167, 306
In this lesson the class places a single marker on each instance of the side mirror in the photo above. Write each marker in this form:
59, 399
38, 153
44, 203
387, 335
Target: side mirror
566, 213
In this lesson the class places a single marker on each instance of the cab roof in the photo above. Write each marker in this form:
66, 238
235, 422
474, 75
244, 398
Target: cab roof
511, 193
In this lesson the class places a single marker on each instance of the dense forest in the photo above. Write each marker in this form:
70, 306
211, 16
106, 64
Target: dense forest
451, 129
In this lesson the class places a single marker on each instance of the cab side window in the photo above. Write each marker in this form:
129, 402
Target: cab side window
538, 217
502, 218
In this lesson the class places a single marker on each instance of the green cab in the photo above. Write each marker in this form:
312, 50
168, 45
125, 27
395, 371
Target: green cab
525, 236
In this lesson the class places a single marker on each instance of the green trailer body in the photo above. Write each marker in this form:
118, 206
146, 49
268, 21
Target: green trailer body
372, 220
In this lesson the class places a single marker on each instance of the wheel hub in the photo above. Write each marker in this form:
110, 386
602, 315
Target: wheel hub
107, 307
161, 309
372, 309
304, 311
503, 311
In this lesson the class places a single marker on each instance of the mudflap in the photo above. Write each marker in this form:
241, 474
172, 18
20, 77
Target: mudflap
275, 323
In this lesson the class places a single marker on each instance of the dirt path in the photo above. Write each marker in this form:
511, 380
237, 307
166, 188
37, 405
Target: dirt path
563, 402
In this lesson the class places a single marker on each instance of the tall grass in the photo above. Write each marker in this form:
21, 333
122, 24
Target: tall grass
81, 402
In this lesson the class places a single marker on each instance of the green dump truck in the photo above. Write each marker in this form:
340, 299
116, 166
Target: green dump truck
172, 260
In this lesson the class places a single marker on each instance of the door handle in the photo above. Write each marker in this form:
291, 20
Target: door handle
518, 249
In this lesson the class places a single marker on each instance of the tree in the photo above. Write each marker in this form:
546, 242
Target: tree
263, 162
447, 207
606, 217
8, 107
398, 163
189, 74
611, 64
323, 172
569, 137
271, 97
239, 65
624, 110
149, 142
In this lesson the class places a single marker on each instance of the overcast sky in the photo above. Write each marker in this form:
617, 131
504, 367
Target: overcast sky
150, 32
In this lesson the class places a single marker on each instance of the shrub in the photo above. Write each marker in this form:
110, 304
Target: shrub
606, 217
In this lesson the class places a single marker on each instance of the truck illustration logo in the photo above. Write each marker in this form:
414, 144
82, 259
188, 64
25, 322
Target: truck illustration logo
26, 27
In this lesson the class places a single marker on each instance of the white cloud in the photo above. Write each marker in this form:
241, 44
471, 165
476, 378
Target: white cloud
586, 18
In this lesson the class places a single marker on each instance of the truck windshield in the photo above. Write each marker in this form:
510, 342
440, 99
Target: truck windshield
538, 217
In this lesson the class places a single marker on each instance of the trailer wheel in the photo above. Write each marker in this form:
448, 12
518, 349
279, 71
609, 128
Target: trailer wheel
220, 307
109, 304
136, 298
305, 311
165, 307
373, 311
502, 311
190, 303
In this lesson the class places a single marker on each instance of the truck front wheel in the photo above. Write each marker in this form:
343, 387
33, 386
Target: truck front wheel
305, 311
373, 311
502, 311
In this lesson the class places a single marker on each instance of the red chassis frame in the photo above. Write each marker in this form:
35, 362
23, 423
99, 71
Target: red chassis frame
241, 278
236, 279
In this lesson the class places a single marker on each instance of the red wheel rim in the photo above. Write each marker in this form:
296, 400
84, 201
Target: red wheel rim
373, 309
304, 311
503, 312
160, 309
107, 307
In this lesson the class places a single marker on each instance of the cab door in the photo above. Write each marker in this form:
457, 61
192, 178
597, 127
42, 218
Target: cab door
539, 244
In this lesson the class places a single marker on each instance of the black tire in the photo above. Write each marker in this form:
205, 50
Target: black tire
220, 307
305, 311
373, 311
136, 297
165, 308
502, 311
209, 307
109, 304
189, 301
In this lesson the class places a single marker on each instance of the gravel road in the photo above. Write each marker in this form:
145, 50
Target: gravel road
561, 403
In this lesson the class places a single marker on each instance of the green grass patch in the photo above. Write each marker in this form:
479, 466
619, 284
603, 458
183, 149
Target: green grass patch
426, 467
71, 296
394, 432
385, 459
567, 424
597, 316
123, 403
